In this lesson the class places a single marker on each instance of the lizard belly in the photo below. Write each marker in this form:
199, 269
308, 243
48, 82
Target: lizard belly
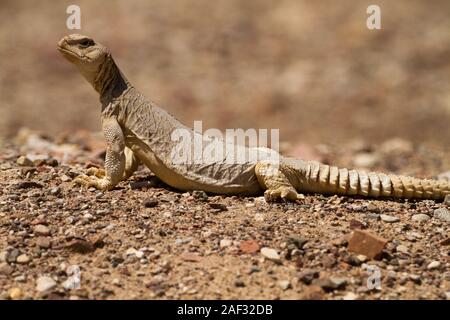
184, 177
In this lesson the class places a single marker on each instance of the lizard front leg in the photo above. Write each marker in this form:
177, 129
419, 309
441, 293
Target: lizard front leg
114, 161
277, 185
131, 165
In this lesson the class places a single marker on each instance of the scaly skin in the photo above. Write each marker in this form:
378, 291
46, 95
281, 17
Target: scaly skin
137, 131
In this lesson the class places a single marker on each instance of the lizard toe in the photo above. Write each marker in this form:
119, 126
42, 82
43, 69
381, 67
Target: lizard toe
99, 173
282, 193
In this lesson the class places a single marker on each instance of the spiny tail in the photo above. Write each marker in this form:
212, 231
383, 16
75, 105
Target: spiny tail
332, 180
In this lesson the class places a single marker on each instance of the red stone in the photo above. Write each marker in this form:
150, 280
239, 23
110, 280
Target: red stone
249, 246
366, 243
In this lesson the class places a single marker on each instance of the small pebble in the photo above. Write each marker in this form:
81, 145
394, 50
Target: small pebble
224, 243
45, 284
442, 214
15, 294
388, 218
23, 259
284, 284
271, 254
24, 162
350, 296
403, 249
41, 230
420, 217
433, 265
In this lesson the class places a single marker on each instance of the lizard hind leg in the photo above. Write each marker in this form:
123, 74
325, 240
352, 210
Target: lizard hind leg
277, 185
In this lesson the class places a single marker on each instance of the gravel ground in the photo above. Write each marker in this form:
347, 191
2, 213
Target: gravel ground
144, 240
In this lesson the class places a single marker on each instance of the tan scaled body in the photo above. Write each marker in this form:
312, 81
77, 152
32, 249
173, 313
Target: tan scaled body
137, 131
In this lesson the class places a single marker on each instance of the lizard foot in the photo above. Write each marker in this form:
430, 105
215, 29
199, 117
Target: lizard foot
92, 181
283, 193
99, 173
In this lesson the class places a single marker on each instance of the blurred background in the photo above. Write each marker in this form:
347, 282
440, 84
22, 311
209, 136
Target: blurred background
310, 68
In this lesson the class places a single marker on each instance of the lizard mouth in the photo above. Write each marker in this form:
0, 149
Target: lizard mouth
70, 54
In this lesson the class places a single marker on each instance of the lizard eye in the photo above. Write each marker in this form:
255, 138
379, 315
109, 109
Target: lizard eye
86, 43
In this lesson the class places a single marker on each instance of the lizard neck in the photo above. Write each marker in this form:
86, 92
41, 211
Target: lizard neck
110, 82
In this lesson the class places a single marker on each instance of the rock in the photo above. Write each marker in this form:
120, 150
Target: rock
307, 276
45, 284
259, 217
224, 243
24, 161
3, 256
133, 252
415, 278
51, 162
442, 214
88, 217
331, 283
350, 296
21, 278
6, 269
143, 184
294, 242
12, 255
361, 257
200, 195
312, 293
249, 246
328, 261
366, 243
41, 230
271, 254
15, 294
356, 224
55, 191
433, 265
445, 242
420, 217
284, 284
402, 249
388, 218
80, 246
65, 178
150, 202
73, 281
43, 242
27, 185
23, 259
239, 283
218, 207
353, 260
98, 240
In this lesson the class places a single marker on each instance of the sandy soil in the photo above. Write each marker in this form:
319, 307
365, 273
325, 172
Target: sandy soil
144, 240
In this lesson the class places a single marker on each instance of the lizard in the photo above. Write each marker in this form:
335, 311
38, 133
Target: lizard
137, 131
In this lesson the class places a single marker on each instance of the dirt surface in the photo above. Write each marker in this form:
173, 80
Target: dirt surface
144, 240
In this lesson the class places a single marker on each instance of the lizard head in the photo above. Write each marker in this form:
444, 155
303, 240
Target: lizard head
86, 54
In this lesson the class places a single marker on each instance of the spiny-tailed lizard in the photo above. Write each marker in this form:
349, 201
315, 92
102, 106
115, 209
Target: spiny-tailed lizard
137, 131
